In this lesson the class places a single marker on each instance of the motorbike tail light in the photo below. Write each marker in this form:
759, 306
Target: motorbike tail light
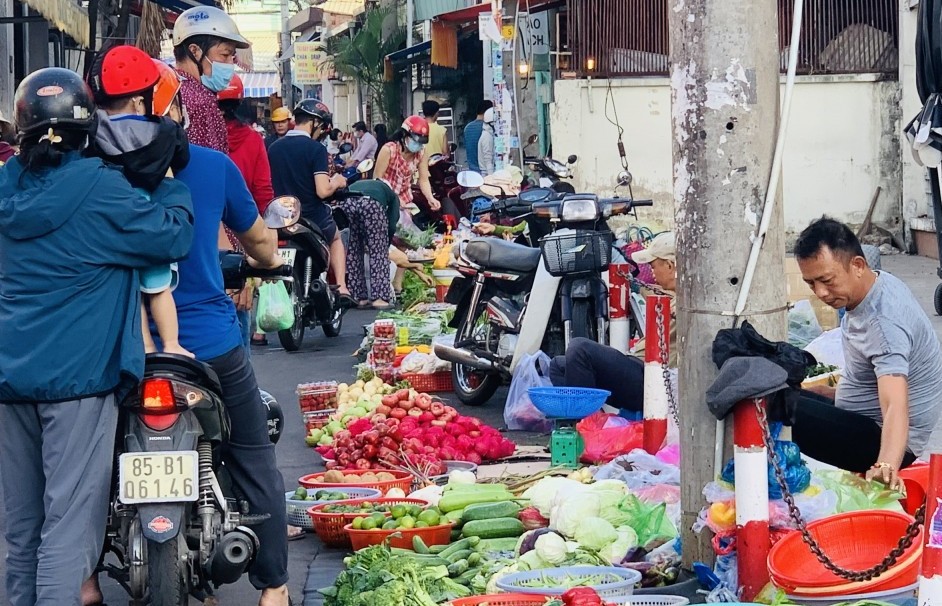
282, 243
159, 406
160, 422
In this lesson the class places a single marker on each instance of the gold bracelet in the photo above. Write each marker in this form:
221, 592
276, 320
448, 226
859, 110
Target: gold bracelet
882, 465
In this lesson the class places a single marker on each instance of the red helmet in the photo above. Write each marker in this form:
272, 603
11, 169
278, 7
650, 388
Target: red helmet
417, 126
235, 91
123, 71
166, 89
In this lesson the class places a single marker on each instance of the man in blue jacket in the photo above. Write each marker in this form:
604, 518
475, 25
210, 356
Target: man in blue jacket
73, 236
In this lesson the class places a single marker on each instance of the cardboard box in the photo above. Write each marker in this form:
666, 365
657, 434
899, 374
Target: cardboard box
797, 290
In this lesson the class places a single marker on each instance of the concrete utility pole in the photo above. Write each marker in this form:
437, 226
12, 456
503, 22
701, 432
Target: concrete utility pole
725, 105
286, 87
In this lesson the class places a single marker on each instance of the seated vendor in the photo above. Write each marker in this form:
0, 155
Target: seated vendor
589, 364
887, 401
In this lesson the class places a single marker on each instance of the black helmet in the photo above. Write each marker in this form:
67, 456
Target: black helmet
316, 108
276, 417
53, 97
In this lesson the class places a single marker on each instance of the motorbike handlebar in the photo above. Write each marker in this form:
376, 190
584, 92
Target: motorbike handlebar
283, 271
643, 203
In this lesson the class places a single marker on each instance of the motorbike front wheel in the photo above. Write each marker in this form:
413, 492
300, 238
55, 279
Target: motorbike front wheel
583, 320
473, 387
291, 338
332, 329
167, 573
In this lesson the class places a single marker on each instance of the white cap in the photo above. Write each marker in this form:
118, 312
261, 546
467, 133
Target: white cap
207, 21
663, 246
489, 115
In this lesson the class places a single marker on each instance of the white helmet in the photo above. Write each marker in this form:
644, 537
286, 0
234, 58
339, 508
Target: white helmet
207, 21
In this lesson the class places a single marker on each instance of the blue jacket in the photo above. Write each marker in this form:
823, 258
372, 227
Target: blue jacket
71, 241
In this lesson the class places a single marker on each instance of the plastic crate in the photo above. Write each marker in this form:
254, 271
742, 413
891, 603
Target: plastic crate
576, 252
618, 582
437, 382
567, 402
297, 510
317, 419
400, 537
566, 446
501, 599
317, 396
330, 526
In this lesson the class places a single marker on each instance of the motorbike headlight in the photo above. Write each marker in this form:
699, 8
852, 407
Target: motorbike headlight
558, 168
580, 209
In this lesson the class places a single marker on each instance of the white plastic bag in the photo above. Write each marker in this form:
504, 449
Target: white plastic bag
803, 326
828, 348
519, 412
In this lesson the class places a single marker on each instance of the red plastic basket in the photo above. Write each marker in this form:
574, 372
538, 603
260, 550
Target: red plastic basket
857, 540
439, 381
502, 599
330, 526
403, 481
916, 480
433, 535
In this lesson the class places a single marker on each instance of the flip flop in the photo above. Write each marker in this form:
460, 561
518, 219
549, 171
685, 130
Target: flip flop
347, 301
364, 305
297, 537
385, 307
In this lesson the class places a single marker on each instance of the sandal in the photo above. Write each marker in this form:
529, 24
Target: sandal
346, 301
382, 306
300, 534
364, 305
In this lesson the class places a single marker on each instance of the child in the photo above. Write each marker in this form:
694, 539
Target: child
148, 148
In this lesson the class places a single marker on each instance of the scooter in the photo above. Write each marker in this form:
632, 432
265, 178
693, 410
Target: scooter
549, 172
497, 319
177, 526
303, 246
443, 180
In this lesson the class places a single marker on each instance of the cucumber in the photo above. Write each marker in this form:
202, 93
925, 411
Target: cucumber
490, 511
455, 535
493, 529
454, 516
495, 545
419, 545
455, 548
474, 559
458, 568
453, 501
437, 549
460, 555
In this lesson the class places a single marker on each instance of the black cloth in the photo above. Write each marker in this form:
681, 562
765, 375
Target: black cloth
295, 161
589, 364
746, 342
742, 378
835, 436
250, 460
144, 147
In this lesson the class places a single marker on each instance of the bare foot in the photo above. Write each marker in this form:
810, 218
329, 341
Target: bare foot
91, 592
174, 348
277, 596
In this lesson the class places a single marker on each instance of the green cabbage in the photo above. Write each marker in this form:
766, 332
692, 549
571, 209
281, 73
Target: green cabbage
570, 515
595, 533
615, 552
552, 548
542, 493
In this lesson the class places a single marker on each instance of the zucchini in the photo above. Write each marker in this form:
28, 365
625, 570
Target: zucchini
419, 545
453, 488
489, 511
494, 529
453, 501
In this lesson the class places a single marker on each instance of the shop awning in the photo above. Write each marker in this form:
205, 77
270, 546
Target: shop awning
178, 6
410, 55
66, 16
465, 15
259, 85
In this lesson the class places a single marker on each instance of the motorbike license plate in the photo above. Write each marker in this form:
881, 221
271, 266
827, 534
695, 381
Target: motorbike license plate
288, 254
164, 477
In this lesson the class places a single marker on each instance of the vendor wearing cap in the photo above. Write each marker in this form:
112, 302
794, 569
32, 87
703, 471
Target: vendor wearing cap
590, 364
281, 122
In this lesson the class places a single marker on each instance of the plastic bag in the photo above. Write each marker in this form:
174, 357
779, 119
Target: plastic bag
650, 522
797, 474
803, 326
606, 436
855, 493
639, 470
275, 311
519, 413
828, 348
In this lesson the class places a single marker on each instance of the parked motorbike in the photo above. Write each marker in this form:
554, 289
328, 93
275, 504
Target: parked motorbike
177, 526
443, 180
497, 319
316, 303
340, 162
547, 172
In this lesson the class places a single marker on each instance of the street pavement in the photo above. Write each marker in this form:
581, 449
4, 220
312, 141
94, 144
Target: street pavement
330, 359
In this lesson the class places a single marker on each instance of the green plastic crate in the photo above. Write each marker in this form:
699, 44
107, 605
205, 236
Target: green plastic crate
566, 447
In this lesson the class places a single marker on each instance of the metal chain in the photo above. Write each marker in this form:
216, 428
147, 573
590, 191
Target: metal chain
905, 542
665, 370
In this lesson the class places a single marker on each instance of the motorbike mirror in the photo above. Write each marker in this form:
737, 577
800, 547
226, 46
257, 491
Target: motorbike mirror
452, 147
283, 211
345, 148
435, 159
572, 159
365, 166
470, 179
624, 178
532, 139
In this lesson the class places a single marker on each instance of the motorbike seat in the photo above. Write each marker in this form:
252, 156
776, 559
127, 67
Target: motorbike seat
494, 253
184, 367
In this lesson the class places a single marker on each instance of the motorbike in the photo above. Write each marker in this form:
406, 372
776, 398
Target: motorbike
548, 172
340, 163
177, 526
443, 179
497, 319
316, 303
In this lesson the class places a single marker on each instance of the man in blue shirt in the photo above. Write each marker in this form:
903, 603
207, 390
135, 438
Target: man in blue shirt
472, 134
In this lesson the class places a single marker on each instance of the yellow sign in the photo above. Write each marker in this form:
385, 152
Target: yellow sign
507, 31
310, 63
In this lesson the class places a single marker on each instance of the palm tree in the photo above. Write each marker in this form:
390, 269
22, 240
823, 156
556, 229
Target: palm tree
362, 58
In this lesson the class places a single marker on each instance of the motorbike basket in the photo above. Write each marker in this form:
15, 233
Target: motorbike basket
576, 252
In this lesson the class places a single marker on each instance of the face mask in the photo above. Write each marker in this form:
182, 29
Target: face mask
413, 146
219, 80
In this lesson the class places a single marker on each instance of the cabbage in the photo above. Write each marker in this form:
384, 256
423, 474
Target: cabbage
552, 548
616, 552
542, 493
531, 560
573, 511
595, 533
610, 494
527, 541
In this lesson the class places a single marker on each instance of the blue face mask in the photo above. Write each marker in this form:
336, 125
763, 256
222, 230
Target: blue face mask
220, 78
413, 146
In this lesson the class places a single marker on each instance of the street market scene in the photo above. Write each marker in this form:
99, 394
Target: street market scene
471, 303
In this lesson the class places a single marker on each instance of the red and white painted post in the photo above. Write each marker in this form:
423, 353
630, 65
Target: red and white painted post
655, 391
753, 541
619, 304
930, 580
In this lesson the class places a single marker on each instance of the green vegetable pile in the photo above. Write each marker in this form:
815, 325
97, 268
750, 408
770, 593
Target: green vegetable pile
303, 494
414, 291
570, 580
415, 238
378, 576
819, 369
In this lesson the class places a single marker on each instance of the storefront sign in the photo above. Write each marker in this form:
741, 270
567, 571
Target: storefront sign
310, 63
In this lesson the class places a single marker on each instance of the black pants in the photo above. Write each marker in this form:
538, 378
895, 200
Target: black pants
250, 460
589, 364
838, 437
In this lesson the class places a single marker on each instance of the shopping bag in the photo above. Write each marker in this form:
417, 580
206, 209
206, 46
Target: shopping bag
519, 412
606, 436
275, 311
